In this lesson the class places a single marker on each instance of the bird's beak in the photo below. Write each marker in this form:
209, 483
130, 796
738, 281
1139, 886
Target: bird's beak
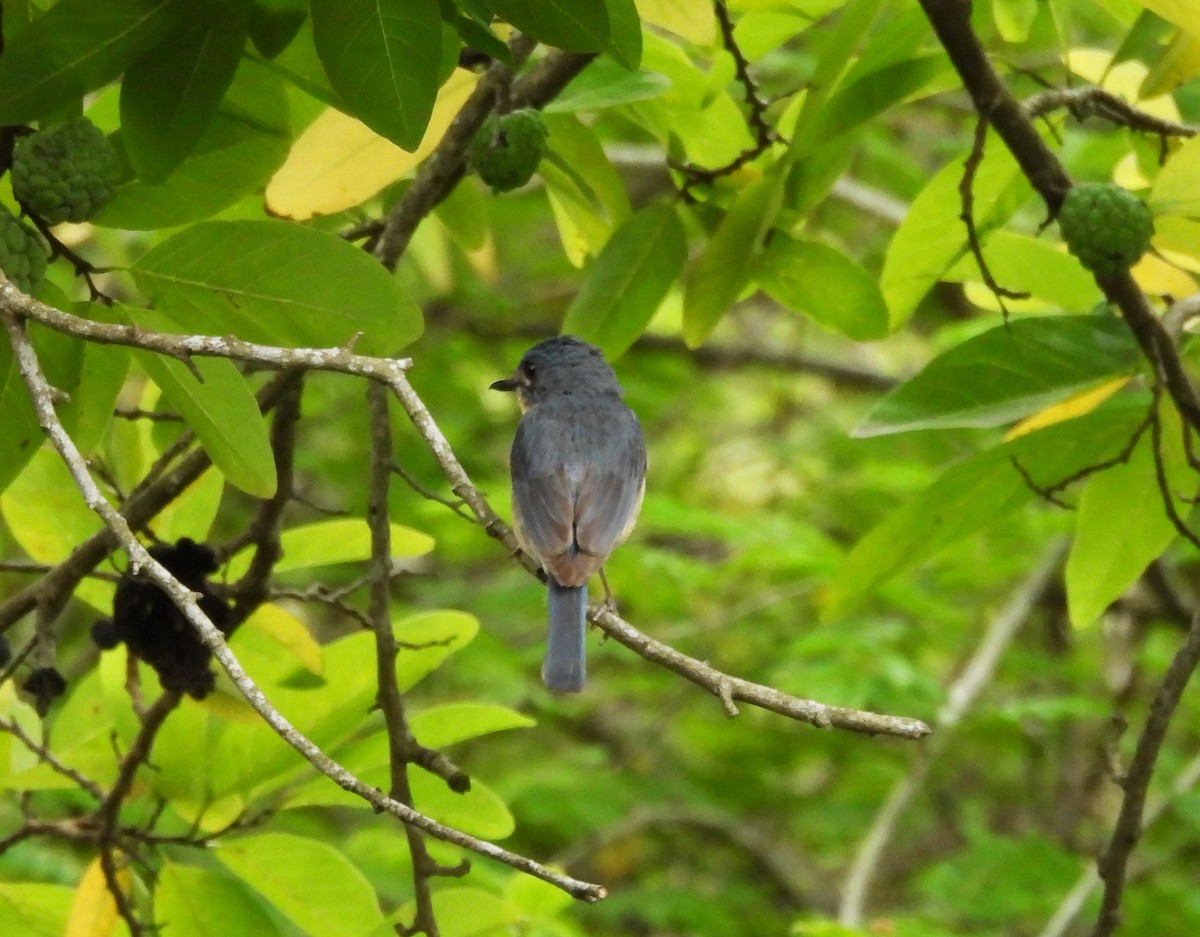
508, 384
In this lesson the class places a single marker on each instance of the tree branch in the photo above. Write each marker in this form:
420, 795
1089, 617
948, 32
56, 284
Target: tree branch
442, 170
140, 560
391, 371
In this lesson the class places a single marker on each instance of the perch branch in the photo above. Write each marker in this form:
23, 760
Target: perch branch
391, 371
140, 560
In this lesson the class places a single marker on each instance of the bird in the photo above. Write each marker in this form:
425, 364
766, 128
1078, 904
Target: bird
578, 468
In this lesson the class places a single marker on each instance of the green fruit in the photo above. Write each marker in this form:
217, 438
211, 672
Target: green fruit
64, 173
1105, 226
506, 150
22, 256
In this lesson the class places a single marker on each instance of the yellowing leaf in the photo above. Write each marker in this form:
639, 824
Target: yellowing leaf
1159, 278
339, 162
1178, 240
1069, 409
290, 633
1124, 80
229, 707
94, 911
1177, 189
1128, 173
691, 19
1183, 13
1179, 62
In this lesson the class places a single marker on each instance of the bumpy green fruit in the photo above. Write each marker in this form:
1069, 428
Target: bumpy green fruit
1105, 226
506, 150
64, 173
22, 256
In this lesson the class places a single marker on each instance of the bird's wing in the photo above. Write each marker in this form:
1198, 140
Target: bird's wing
543, 504
610, 494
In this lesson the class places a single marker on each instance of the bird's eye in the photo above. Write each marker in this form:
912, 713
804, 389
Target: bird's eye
529, 371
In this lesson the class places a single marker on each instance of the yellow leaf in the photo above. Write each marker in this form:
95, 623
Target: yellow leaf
1178, 240
1179, 62
230, 707
1124, 80
94, 911
339, 162
690, 19
1071, 408
1183, 13
1128, 173
290, 633
1159, 278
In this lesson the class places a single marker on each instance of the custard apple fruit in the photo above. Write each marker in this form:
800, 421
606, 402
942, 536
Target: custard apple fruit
507, 149
66, 172
1107, 227
22, 256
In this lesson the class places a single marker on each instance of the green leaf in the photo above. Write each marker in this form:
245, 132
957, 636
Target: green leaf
1014, 17
427, 639
605, 84
467, 912
625, 33
199, 903
573, 25
590, 200
479, 811
89, 411
932, 236
60, 357
382, 58
276, 282
975, 494
1006, 373
723, 270
35, 910
242, 146
327, 543
824, 284
311, 883
220, 408
444, 725
629, 279
275, 23
46, 489
170, 95
1121, 524
871, 95
77, 46
193, 512
1021, 263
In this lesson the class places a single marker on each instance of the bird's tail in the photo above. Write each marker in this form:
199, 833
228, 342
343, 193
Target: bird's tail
564, 669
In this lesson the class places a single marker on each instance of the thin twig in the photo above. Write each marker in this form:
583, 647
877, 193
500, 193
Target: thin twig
263, 531
108, 814
1091, 101
13, 728
966, 192
765, 135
